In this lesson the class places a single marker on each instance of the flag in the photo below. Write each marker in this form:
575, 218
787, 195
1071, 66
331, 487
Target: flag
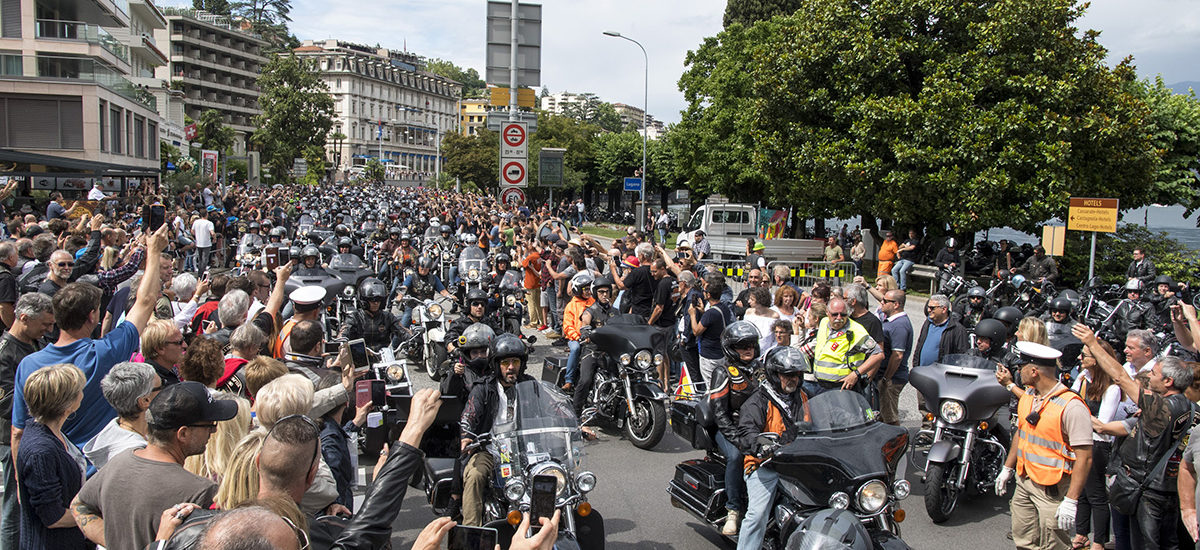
685, 388
771, 223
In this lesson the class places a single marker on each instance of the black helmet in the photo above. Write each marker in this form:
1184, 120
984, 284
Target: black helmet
1061, 304
582, 280
394, 230
341, 230
294, 251
737, 335
311, 251
1010, 316
831, 529
476, 336
476, 295
601, 282
506, 346
993, 330
1164, 280
371, 290
1070, 295
784, 360
278, 232
1002, 274
425, 262
253, 225
976, 292
345, 241
445, 229
502, 257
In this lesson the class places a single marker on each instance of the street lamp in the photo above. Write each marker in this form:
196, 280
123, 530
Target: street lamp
641, 217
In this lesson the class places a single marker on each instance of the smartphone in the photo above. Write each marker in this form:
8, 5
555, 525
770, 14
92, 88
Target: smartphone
542, 502
370, 392
463, 537
153, 216
285, 255
358, 353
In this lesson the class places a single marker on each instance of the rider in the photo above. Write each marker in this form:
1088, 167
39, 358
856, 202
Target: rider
591, 319
405, 253
310, 257
947, 260
974, 308
731, 387
346, 246
371, 321
422, 285
991, 337
776, 406
389, 245
477, 313
1163, 297
277, 235
487, 404
580, 288
1133, 312
251, 241
1058, 317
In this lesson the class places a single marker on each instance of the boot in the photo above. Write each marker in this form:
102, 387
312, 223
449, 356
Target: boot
731, 523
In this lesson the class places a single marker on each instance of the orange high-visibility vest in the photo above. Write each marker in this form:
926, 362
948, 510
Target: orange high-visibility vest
284, 333
1042, 451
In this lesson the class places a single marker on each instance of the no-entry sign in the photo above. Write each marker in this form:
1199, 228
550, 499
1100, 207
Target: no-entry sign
513, 172
514, 134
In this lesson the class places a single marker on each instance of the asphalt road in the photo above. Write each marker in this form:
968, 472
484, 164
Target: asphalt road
631, 493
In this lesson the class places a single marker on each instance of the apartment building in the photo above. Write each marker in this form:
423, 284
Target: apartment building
213, 64
388, 107
473, 116
71, 110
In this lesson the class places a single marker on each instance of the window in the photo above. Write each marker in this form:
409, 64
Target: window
152, 147
139, 137
104, 126
10, 65
115, 120
41, 122
128, 134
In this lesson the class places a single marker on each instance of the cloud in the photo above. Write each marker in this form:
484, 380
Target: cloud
1161, 35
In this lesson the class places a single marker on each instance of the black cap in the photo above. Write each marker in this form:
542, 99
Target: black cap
699, 232
188, 403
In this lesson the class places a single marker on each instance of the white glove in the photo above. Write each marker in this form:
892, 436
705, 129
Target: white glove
1002, 480
1066, 515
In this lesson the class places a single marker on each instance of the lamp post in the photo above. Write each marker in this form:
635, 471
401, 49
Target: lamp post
641, 212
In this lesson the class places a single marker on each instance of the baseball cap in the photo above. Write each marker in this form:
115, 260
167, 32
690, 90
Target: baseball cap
185, 404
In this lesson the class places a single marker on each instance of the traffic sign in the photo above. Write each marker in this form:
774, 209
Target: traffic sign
1090, 214
514, 141
633, 184
513, 196
513, 172
514, 134
550, 166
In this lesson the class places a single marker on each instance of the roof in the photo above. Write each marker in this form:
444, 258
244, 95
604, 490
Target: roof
70, 165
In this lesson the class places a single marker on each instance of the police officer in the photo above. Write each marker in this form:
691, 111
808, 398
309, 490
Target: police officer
371, 321
844, 353
592, 318
731, 387
477, 313
306, 302
975, 308
1050, 453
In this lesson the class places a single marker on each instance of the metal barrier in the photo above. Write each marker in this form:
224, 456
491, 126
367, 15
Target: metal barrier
806, 274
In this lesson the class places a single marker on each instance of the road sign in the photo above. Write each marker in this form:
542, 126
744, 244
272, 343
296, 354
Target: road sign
513, 172
526, 97
1089, 214
512, 196
499, 44
633, 184
498, 118
550, 166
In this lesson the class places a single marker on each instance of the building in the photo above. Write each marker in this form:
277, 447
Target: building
472, 116
629, 115
214, 64
71, 110
561, 102
388, 107
657, 129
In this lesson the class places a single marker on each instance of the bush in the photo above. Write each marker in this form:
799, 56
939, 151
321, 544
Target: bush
1114, 251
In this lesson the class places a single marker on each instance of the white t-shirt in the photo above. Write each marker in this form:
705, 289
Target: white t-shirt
203, 230
96, 194
208, 196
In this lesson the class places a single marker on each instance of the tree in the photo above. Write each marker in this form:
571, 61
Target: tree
297, 111
374, 171
1174, 125
212, 133
217, 7
971, 115
473, 85
473, 159
748, 12
262, 12
573, 135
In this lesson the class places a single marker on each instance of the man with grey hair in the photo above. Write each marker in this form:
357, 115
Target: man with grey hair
231, 312
1156, 439
249, 528
32, 317
129, 387
942, 334
8, 282
639, 282
1141, 346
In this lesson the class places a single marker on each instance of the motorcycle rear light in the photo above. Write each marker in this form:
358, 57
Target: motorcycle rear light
583, 509
898, 515
514, 518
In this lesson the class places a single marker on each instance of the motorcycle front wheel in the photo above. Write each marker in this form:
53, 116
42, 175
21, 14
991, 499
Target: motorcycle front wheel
647, 423
940, 496
435, 355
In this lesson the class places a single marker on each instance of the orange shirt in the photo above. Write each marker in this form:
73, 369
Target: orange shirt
571, 315
888, 251
533, 267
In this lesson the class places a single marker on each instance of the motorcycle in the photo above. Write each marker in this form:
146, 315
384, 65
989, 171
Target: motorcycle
430, 315
508, 297
540, 438
391, 393
953, 285
1033, 297
626, 389
967, 446
472, 268
826, 466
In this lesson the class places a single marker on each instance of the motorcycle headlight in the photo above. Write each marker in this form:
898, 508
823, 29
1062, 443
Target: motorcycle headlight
514, 489
552, 469
643, 359
585, 482
510, 300
626, 358
473, 275
901, 488
953, 411
435, 310
839, 500
871, 496
659, 359
395, 373
348, 291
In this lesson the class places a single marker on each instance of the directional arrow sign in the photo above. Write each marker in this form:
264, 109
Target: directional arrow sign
1089, 214
513, 172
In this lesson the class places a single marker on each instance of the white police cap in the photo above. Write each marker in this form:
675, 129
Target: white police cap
307, 295
1032, 352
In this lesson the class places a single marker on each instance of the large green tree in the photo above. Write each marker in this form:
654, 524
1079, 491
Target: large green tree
218, 7
297, 112
474, 160
1174, 125
473, 84
974, 115
748, 12
212, 133
573, 135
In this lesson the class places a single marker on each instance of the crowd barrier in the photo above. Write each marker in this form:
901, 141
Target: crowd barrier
803, 274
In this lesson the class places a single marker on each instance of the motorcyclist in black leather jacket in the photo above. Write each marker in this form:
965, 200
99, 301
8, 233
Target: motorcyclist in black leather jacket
1162, 298
731, 387
975, 308
1132, 312
422, 285
310, 266
592, 318
477, 312
371, 321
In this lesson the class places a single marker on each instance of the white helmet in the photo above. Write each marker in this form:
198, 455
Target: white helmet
581, 281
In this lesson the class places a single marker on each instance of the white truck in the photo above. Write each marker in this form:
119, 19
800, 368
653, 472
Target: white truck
726, 227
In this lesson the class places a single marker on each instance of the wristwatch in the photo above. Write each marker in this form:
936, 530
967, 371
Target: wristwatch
1010, 386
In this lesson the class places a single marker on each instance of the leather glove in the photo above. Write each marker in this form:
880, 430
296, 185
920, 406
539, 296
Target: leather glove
1066, 515
1002, 481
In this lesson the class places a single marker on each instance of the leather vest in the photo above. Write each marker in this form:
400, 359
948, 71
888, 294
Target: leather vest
1140, 451
422, 287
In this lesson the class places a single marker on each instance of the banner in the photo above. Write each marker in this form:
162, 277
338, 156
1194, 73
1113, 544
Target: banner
771, 223
208, 165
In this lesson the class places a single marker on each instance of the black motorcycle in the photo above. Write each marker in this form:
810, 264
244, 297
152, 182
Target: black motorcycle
626, 389
508, 300
842, 459
967, 446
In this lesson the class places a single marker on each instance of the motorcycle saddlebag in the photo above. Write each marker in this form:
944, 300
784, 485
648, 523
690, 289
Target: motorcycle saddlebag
691, 420
554, 370
699, 488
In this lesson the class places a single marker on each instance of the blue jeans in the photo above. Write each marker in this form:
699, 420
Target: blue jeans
900, 272
10, 511
1122, 530
572, 361
760, 493
735, 483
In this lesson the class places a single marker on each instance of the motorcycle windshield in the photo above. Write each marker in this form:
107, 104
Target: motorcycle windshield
346, 261
836, 410
968, 362
472, 257
511, 281
538, 426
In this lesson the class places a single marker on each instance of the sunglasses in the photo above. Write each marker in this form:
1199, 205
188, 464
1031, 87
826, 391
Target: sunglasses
209, 426
301, 536
65, 264
833, 314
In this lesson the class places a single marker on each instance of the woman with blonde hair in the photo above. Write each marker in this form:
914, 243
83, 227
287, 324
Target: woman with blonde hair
213, 463
1033, 330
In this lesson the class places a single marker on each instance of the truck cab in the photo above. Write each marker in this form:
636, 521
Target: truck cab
727, 226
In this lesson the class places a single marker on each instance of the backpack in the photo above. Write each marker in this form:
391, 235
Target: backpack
32, 279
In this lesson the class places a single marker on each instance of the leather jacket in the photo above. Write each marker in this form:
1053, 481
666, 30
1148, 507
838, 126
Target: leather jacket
377, 330
732, 386
600, 315
481, 407
1164, 421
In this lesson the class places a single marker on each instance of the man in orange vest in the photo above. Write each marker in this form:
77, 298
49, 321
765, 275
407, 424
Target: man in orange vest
307, 303
1051, 453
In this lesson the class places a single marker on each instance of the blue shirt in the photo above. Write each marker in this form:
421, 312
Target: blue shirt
898, 335
95, 358
933, 343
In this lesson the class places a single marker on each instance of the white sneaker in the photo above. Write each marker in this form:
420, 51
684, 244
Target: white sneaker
731, 523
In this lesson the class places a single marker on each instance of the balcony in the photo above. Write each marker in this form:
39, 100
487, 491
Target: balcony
89, 70
78, 31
